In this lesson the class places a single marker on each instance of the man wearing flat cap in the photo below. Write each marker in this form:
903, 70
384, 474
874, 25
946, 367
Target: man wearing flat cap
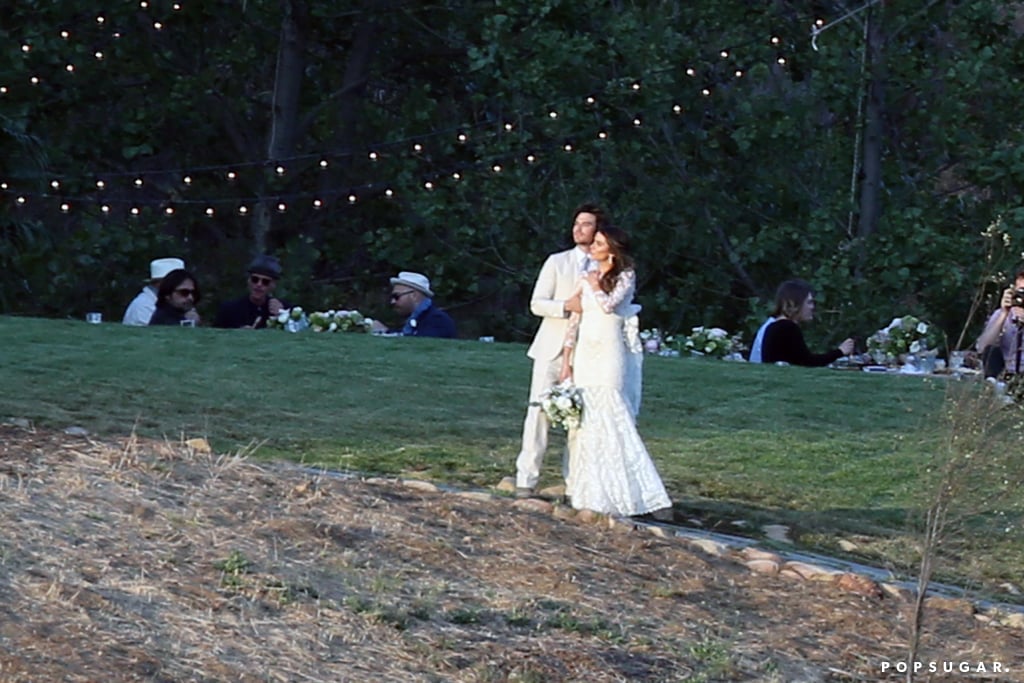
412, 298
140, 310
253, 311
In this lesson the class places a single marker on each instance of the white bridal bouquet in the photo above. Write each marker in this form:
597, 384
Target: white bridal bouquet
563, 404
711, 341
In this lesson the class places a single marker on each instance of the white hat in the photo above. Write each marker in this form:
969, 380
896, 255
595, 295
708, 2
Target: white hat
415, 280
159, 268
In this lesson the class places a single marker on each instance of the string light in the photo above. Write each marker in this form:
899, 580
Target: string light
553, 114
705, 92
231, 175
373, 156
65, 35
389, 193
417, 147
428, 185
282, 207
169, 211
138, 182
105, 208
280, 170
243, 210
187, 180
691, 72
724, 54
567, 147
158, 26
317, 204
65, 207
100, 184
636, 85
637, 121
456, 176
70, 68
98, 55
34, 80
352, 199
20, 200
781, 60
602, 135
530, 158
462, 137
496, 168
210, 212
677, 109
323, 163
3, 89
100, 19
26, 48
55, 184
135, 211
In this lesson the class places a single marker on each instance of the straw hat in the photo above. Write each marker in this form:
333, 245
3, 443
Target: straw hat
415, 280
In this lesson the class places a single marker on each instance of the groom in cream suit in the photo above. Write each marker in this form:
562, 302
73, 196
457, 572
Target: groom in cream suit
552, 302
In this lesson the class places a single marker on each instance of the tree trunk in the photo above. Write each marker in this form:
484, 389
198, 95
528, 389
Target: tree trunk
284, 115
874, 129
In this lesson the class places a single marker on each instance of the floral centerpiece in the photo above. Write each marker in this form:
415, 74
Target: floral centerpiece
651, 340
339, 321
906, 335
711, 341
289, 319
563, 404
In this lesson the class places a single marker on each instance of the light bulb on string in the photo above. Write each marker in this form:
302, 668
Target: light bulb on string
187, 180
105, 208
496, 168
553, 114
373, 156
26, 48
3, 186
567, 147
176, 7
456, 176
70, 68
636, 85
158, 26
231, 175
324, 163
462, 137
508, 127
169, 211
317, 204
819, 22
389, 193
280, 170
65, 207
591, 101
724, 54
98, 55
20, 200
781, 61
691, 72
738, 73
677, 109
143, 4
135, 211
3, 89
352, 199
243, 210
417, 147
34, 80
100, 19
100, 184
65, 35
428, 185
775, 40
637, 122
55, 184
138, 182
281, 207
210, 212
705, 92
530, 158
602, 135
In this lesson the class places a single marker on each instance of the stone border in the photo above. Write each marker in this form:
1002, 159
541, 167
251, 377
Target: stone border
757, 560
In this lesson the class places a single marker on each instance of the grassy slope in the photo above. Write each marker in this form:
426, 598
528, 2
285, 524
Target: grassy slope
842, 449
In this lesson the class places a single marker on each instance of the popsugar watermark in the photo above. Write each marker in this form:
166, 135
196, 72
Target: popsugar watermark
946, 667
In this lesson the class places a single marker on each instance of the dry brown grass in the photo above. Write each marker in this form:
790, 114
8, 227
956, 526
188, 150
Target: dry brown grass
148, 561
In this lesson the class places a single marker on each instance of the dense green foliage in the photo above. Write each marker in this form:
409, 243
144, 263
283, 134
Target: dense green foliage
735, 152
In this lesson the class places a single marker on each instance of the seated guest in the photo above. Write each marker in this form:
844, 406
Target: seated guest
756, 347
176, 299
783, 340
140, 310
253, 311
412, 297
998, 342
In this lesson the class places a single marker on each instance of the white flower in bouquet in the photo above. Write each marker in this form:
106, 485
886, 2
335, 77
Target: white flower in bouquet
563, 404
903, 335
289, 319
710, 341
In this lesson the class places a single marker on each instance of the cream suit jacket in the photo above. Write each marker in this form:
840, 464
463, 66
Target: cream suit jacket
556, 283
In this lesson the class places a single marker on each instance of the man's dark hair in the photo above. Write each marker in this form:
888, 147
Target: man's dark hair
601, 217
171, 282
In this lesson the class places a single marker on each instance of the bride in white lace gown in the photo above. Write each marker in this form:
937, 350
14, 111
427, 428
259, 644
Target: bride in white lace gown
610, 470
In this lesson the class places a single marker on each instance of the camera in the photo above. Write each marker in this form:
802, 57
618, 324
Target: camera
1018, 297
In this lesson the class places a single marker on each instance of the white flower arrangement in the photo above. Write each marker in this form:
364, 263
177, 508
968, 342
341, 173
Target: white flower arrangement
339, 321
902, 336
713, 342
289, 319
563, 404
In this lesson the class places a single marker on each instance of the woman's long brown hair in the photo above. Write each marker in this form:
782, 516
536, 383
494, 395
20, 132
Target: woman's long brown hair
618, 247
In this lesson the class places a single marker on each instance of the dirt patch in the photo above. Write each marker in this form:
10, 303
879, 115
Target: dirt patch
131, 560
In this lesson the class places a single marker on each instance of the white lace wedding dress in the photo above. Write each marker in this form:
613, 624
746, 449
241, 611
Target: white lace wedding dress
610, 470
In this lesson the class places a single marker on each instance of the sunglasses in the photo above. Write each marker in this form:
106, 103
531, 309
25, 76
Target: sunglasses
185, 291
257, 280
398, 295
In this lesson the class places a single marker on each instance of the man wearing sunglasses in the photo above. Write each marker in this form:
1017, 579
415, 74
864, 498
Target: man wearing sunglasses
253, 311
412, 298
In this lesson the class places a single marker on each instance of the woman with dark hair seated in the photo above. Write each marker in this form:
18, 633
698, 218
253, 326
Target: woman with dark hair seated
176, 300
783, 340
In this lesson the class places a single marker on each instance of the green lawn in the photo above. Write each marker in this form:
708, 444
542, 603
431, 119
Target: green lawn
829, 452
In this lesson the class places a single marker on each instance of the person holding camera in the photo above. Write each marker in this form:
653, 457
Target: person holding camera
1000, 342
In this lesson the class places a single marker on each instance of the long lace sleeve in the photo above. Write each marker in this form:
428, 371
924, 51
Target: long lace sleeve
572, 331
624, 288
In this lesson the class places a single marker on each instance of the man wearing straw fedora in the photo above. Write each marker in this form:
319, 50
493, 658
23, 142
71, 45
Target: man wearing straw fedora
412, 298
140, 310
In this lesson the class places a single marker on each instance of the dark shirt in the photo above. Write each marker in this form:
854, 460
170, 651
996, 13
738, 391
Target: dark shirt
165, 314
784, 342
243, 312
431, 322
